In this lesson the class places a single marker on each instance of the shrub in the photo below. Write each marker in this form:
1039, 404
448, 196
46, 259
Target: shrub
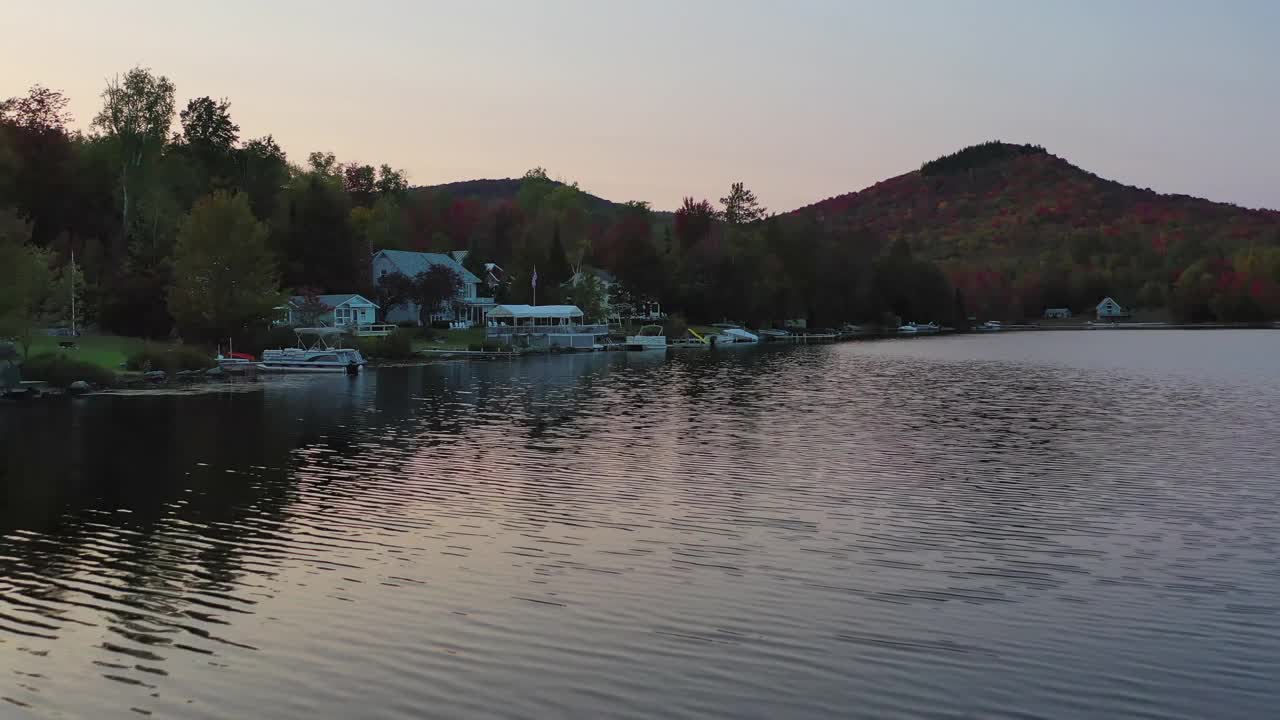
676, 326
60, 371
169, 359
440, 324
396, 346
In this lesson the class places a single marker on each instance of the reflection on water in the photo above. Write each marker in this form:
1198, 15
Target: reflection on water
1052, 525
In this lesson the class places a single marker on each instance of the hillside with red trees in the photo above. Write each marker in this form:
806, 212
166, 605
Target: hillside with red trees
1017, 228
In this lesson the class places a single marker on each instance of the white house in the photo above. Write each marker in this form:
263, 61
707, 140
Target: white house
467, 305
1110, 309
1057, 313
343, 310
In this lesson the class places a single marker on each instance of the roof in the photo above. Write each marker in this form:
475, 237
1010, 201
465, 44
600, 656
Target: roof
413, 263
1108, 299
534, 311
332, 301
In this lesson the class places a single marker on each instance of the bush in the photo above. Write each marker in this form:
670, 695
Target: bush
169, 359
60, 371
396, 346
440, 325
676, 326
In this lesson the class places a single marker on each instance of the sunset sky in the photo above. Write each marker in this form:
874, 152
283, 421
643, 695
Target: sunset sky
660, 99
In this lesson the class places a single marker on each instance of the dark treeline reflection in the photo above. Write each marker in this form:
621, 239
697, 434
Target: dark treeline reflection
1021, 524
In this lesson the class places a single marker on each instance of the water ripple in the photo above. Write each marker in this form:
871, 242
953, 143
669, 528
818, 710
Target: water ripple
1056, 525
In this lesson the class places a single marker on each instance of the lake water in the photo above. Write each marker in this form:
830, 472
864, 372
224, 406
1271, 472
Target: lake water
1048, 525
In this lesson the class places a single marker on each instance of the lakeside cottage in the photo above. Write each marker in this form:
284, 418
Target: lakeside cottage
341, 310
1057, 313
467, 306
1109, 309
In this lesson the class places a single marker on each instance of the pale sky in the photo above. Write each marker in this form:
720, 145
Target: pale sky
658, 99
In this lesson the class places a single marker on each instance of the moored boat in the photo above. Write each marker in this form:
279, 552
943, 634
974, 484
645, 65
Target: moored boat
650, 337
314, 354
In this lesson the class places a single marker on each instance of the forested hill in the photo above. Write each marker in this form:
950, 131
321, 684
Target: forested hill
999, 215
500, 190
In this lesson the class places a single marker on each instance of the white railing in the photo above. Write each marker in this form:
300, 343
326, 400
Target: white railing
375, 330
503, 331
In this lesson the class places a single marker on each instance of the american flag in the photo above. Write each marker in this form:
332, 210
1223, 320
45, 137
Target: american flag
534, 279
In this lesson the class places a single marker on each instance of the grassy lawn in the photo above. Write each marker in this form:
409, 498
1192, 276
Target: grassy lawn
108, 351
451, 340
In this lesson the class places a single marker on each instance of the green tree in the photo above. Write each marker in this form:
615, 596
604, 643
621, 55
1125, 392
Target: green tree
312, 233
360, 182
137, 110
587, 292
391, 183
224, 275
206, 124
433, 290
741, 206
264, 174
381, 227
394, 290
24, 280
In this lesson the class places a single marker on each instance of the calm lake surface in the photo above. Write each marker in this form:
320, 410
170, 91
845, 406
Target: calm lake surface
1049, 525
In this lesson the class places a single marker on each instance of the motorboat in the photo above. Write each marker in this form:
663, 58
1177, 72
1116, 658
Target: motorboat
910, 328
234, 362
731, 336
650, 337
774, 335
736, 336
991, 326
314, 354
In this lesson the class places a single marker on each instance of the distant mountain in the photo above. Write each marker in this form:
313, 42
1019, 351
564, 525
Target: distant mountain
998, 203
499, 190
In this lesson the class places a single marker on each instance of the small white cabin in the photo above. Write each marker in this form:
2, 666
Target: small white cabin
342, 310
1057, 313
1109, 309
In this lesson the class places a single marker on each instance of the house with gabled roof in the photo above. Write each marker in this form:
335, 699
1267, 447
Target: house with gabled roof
1109, 309
467, 306
336, 310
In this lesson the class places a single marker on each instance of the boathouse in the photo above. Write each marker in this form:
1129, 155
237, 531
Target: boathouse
542, 327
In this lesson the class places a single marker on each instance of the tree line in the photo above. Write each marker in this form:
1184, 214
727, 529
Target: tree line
180, 225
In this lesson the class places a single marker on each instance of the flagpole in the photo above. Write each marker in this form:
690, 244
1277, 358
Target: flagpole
73, 293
